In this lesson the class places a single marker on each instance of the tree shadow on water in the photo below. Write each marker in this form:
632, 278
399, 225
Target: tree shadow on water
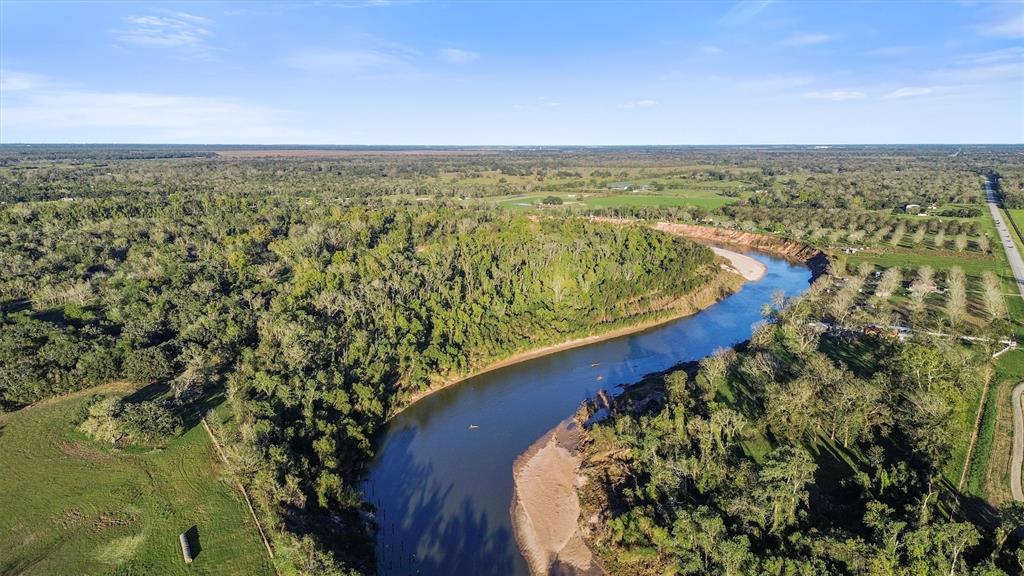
420, 531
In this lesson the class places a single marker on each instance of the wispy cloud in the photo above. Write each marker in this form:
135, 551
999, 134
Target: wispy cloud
321, 61
910, 92
744, 11
808, 39
1014, 54
835, 95
986, 73
177, 30
639, 104
1011, 26
156, 117
17, 81
457, 56
709, 50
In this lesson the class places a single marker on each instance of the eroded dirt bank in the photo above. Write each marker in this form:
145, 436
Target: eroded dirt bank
814, 258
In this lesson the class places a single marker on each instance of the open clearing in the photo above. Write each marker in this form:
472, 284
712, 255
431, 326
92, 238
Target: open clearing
701, 199
115, 512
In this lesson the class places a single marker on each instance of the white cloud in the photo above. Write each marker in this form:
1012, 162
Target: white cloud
808, 39
910, 92
709, 50
1014, 54
178, 30
319, 61
639, 104
835, 95
144, 117
744, 11
16, 81
988, 73
456, 56
1010, 27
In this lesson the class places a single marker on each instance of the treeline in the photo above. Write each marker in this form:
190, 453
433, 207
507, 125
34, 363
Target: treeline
317, 318
1010, 184
807, 452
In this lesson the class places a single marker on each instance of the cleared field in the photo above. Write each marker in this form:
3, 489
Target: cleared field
708, 201
115, 512
703, 199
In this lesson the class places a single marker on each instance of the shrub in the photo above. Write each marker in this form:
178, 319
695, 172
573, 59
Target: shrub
110, 419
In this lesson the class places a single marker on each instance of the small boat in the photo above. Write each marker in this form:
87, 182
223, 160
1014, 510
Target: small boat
473, 426
595, 364
600, 378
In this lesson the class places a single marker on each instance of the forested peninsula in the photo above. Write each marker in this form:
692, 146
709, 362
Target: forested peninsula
314, 318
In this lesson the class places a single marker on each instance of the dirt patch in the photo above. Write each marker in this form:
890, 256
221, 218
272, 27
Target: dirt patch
115, 519
70, 518
814, 259
83, 451
546, 508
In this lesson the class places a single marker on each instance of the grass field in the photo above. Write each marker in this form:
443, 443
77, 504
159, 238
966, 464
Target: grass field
702, 198
1017, 215
71, 506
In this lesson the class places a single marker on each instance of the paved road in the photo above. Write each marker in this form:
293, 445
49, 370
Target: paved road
1016, 263
1018, 444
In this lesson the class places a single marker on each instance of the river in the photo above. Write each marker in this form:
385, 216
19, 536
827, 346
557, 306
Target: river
442, 478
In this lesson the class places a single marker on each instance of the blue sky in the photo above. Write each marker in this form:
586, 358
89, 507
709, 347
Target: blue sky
395, 72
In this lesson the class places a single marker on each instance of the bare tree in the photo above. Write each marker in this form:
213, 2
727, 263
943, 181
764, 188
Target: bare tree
891, 279
922, 286
956, 296
897, 234
918, 236
995, 304
983, 242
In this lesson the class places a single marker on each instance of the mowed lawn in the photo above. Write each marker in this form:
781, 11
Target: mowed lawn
71, 506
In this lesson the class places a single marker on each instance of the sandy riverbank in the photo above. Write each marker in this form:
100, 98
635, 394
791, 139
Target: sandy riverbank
546, 508
742, 264
718, 288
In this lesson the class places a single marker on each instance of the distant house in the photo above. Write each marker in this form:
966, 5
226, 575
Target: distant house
913, 208
624, 186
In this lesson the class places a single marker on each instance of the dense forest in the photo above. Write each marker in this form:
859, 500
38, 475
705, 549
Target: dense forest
808, 451
317, 318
